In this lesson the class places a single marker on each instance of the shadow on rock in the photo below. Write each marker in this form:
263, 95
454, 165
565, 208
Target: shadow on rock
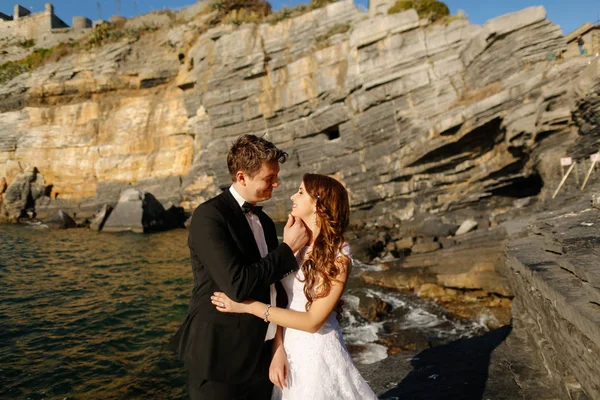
458, 370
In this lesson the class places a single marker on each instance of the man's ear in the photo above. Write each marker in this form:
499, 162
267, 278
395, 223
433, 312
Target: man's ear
241, 178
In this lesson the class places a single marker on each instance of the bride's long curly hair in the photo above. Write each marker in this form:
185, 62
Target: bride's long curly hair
326, 260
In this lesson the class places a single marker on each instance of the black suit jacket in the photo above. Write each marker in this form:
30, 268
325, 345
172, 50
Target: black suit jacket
225, 257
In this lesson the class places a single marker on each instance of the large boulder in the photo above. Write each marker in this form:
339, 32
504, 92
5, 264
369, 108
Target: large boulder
141, 212
61, 220
100, 218
435, 227
371, 307
21, 195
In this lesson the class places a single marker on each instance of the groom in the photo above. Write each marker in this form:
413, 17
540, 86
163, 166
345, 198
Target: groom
234, 249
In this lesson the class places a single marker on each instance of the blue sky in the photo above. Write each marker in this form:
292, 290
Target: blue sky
568, 14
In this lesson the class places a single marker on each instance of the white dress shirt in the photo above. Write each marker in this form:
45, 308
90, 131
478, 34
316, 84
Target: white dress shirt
259, 237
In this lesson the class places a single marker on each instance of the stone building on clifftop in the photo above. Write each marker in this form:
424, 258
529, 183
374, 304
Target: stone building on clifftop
24, 24
591, 36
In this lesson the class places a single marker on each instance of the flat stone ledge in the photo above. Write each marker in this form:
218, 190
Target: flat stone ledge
555, 276
498, 365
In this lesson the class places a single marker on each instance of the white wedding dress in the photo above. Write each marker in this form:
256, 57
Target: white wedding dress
320, 367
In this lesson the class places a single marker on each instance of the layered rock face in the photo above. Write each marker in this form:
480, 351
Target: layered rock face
413, 117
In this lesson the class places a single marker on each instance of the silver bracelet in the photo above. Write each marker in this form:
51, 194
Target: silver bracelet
266, 313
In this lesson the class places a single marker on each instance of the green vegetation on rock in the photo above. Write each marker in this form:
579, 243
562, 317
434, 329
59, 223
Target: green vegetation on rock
11, 69
27, 43
431, 9
238, 12
110, 32
322, 41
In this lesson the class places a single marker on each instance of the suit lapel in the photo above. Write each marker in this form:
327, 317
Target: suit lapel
241, 228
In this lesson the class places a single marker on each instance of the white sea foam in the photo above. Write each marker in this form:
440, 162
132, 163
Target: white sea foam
355, 333
351, 302
372, 353
361, 266
391, 298
417, 317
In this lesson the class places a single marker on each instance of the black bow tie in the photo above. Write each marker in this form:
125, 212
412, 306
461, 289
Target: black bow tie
247, 207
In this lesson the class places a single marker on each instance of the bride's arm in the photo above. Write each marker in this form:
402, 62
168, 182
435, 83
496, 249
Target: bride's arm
309, 321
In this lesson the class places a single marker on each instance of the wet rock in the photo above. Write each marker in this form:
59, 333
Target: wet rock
100, 218
371, 307
140, 212
61, 221
466, 226
404, 340
174, 217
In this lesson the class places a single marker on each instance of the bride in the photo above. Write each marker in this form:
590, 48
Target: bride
310, 360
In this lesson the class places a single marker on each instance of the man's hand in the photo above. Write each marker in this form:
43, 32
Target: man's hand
278, 371
295, 234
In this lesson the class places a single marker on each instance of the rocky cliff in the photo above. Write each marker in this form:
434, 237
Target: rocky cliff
412, 116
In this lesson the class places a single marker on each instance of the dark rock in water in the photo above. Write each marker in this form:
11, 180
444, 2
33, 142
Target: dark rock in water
372, 308
174, 217
141, 212
100, 218
61, 220
435, 227
367, 247
404, 339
